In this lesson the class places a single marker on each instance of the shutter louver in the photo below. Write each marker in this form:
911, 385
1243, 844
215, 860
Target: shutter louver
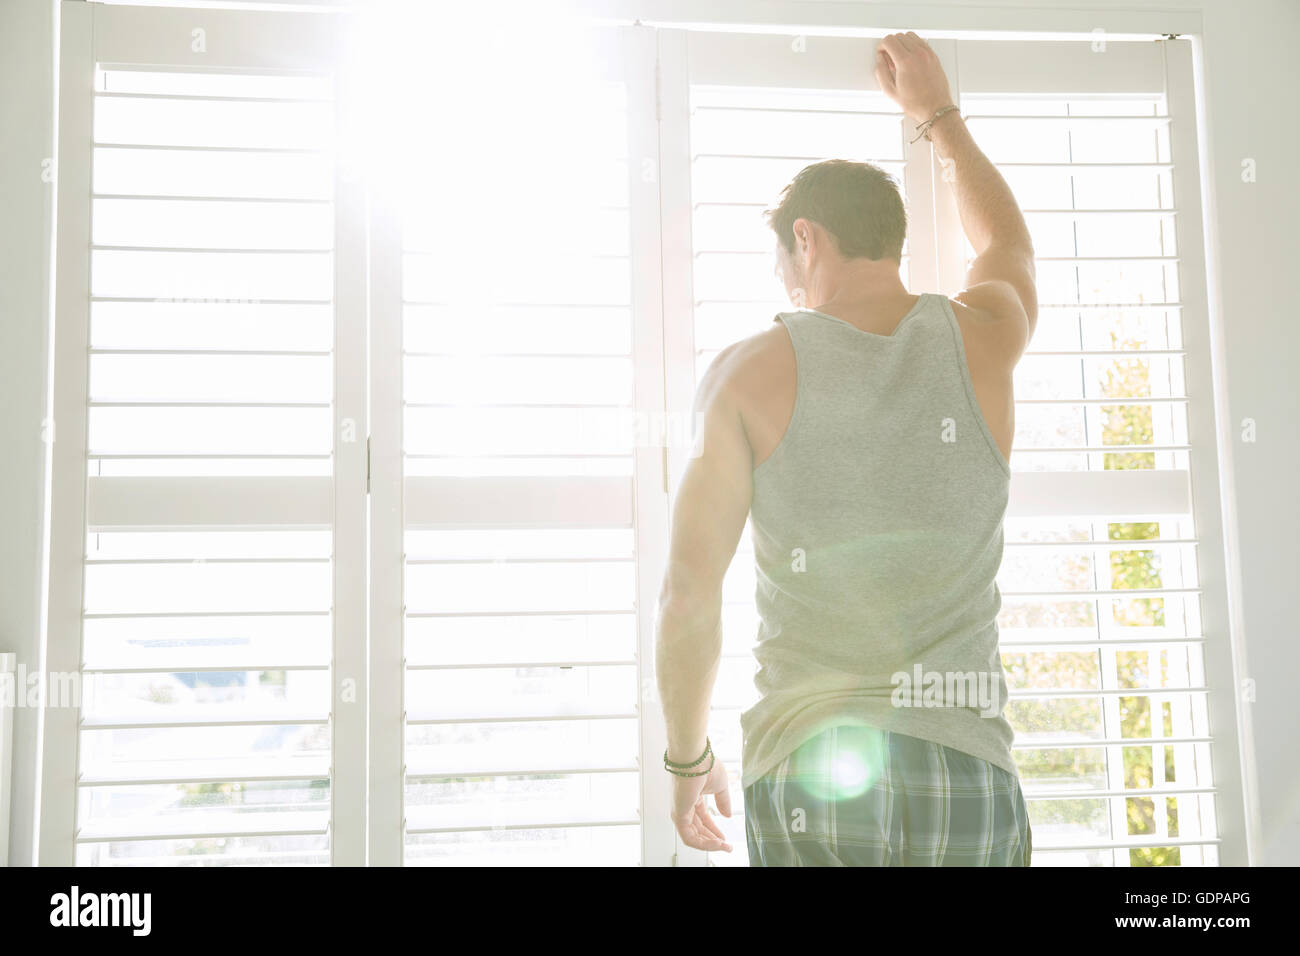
205, 713
1101, 630
520, 626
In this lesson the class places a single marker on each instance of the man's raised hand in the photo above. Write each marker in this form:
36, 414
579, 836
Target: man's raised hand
910, 74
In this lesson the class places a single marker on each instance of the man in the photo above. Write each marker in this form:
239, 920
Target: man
869, 433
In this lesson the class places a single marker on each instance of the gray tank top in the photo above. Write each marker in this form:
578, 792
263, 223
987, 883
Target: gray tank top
877, 528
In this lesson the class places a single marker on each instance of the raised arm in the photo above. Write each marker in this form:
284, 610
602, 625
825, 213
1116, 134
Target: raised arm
1000, 282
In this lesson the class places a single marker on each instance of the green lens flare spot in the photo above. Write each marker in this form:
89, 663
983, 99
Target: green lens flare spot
848, 769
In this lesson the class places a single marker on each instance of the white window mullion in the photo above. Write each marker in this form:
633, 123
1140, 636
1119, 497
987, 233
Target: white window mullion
675, 212
387, 763
348, 715
676, 209
922, 193
646, 180
71, 374
947, 241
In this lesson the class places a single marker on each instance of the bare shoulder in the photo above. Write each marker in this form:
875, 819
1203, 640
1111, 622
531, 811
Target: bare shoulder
993, 322
752, 383
750, 365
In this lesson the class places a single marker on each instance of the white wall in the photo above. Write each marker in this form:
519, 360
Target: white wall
27, 127
1250, 48
1251, 53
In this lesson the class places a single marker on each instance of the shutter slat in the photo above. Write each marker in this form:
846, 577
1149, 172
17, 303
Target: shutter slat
202, 824
207, 771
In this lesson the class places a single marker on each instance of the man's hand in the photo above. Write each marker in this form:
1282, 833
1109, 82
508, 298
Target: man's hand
910, 74
694, 822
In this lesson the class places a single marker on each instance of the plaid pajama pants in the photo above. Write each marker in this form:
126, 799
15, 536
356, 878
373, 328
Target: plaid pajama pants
860, 796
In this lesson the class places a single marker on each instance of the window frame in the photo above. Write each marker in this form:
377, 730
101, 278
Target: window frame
367, 816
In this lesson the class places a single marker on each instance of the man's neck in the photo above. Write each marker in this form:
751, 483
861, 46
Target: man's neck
857, 285
865, 293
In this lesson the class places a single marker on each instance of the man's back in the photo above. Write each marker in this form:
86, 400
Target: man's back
877, 522
761, 373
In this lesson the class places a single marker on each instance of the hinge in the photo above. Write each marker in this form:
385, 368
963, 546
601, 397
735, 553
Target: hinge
367, 464
1173, 36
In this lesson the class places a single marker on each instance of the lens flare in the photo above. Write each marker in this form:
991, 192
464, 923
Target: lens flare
850, 764
850, 774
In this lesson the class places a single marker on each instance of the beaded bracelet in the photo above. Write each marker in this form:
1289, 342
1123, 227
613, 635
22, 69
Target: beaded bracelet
924, 128
679, 768
698, 773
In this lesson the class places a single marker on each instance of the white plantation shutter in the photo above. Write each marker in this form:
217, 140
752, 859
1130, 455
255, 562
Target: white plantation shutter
1110, 623
528, 503
196, 513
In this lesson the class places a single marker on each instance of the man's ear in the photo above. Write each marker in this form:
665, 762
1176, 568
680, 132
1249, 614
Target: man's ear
806, 241
802, 230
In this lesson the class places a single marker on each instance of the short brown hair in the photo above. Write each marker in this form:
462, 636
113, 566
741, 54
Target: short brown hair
858, 203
